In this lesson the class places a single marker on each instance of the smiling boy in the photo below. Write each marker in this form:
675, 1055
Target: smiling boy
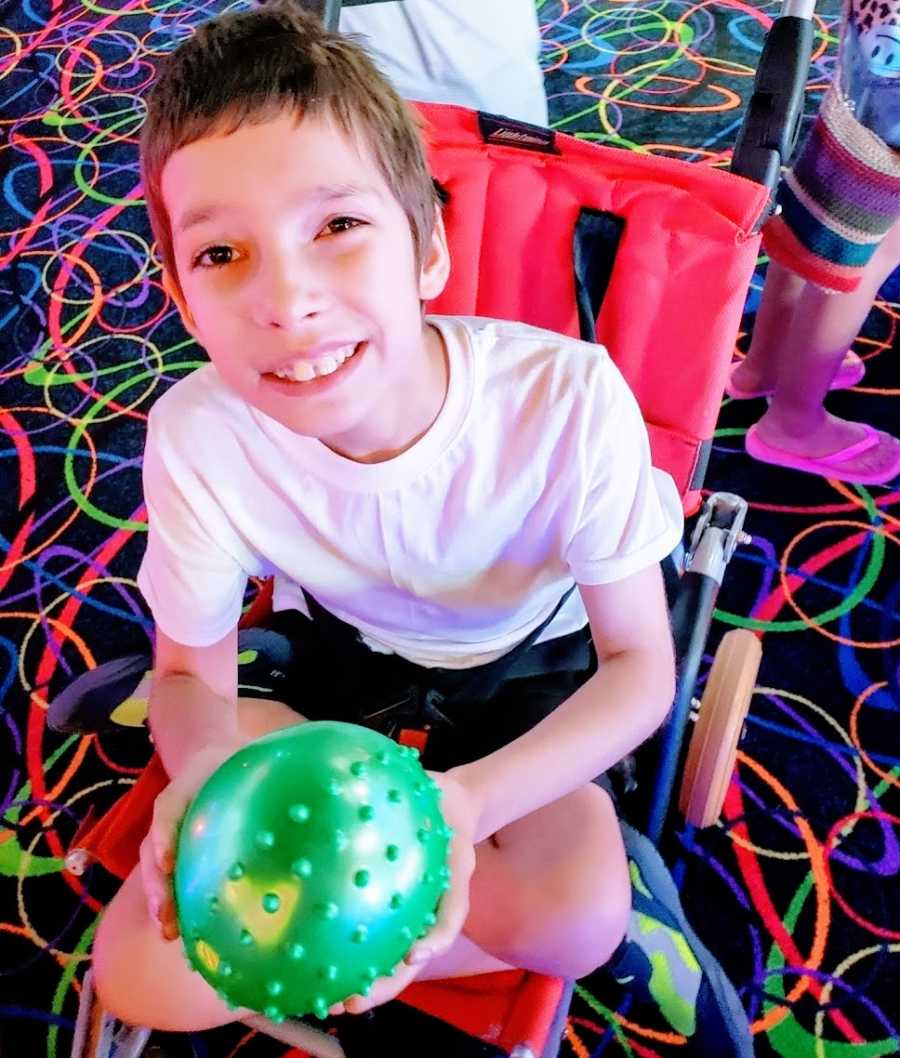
463, 506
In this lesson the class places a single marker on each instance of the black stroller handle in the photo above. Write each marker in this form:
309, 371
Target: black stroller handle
768, 132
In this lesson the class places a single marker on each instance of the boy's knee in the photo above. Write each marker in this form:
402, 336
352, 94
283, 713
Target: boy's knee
599, 891
605, 933
573, 910
109, 967
577, 917
118, 959
143, 980
596, 906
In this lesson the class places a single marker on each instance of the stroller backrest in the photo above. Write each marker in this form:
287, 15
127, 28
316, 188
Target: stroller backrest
649, 256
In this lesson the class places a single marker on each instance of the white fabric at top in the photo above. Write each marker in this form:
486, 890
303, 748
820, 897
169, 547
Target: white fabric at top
536, 472
477, 53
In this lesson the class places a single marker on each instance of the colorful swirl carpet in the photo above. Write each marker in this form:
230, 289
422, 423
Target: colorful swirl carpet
797, 889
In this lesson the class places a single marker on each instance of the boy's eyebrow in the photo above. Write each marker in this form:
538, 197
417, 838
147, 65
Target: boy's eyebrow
317, 196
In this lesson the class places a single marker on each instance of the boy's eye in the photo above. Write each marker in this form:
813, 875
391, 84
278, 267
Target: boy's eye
340, 224
214, 257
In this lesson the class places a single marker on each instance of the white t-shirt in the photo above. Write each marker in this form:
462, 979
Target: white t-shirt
535, 471
474, 53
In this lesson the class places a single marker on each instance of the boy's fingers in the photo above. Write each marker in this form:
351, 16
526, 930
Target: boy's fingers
161, 836
451, 919
155, 886
454, 906
160, 849
168, 809
384, 989
169, 920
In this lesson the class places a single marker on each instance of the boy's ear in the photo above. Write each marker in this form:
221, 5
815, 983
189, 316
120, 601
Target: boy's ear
435, 263
172, 288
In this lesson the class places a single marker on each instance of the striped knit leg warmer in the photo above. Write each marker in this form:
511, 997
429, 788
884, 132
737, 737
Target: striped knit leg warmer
838, 201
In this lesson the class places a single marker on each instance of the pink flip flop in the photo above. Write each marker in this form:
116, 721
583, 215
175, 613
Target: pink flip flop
835, 466
848, 374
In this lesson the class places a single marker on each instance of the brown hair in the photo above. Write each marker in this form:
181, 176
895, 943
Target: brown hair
251, 65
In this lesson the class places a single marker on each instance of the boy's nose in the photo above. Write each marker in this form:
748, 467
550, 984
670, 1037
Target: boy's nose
287, 295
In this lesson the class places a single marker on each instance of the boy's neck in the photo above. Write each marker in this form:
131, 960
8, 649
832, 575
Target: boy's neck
412, 414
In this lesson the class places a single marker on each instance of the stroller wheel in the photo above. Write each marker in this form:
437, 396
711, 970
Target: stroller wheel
713, 745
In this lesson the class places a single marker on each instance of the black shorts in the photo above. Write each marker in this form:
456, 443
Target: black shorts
320, 667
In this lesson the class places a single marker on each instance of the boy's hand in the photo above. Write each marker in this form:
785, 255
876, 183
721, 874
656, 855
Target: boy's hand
461, 810
157, 854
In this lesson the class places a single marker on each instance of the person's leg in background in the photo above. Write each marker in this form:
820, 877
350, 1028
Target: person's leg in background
773, 339
804, 349
834, 243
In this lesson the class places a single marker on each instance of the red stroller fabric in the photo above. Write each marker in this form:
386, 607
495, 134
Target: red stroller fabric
684, 263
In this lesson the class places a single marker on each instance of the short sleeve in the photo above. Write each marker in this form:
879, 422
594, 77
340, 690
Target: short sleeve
192, 574
631, 515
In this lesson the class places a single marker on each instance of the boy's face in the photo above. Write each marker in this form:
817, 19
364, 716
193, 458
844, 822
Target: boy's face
298, 277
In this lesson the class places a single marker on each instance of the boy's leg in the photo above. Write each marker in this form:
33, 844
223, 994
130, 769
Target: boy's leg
144, 980
551, 891
560, 888
556, 893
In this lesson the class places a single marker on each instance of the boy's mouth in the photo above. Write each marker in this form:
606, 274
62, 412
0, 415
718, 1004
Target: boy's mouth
306, 370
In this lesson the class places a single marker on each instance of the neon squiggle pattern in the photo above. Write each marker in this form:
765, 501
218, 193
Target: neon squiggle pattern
795, 890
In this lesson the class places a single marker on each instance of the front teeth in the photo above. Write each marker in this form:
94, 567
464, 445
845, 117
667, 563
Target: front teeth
306, 370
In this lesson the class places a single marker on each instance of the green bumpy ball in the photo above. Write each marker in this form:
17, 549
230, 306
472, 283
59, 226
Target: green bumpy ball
307, 865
